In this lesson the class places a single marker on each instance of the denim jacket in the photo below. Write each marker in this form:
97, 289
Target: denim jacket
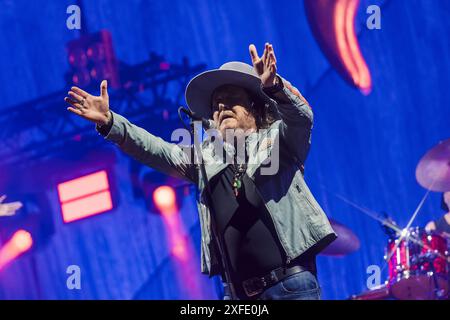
299, 221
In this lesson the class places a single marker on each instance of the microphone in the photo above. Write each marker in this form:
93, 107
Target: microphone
206, 123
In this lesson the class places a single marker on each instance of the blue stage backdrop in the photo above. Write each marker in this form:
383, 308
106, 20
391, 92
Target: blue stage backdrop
364, 148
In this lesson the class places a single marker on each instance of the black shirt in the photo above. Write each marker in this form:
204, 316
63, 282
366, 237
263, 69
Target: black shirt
252, 245
442, 225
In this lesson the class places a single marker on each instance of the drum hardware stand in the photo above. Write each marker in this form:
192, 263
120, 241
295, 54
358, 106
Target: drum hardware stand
439, 293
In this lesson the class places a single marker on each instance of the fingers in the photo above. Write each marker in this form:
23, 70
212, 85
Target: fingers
18, 205
9, 209
7, 212
216, 118
104, 89
273, 68
80, 92
75, 110
270, 56
75, 97
14, 206
272, 53
272, 60
268, 52
253, 53
265, 56
73, 103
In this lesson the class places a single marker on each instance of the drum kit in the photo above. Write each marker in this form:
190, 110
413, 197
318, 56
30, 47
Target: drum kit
417, 260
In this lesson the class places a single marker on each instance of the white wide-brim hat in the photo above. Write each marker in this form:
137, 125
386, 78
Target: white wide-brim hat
200, 89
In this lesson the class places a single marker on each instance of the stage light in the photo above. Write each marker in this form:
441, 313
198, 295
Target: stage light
77, 58
81, 78
96, 52
85, 196
92, 58
20, 242
404, 233
162, 194
163, 65
165, 199
180, 250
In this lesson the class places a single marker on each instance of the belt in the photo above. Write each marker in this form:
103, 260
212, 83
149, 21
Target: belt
257, 285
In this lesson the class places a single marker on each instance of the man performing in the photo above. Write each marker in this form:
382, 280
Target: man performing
267, 228
442, 225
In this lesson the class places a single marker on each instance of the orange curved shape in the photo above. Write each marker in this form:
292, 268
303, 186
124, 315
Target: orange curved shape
333, 25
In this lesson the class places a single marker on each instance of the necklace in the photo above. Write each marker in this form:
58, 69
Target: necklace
239, 171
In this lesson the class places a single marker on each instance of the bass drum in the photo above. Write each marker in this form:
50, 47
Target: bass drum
418, 267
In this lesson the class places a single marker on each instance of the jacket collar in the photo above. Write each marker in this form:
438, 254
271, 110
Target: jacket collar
257, 144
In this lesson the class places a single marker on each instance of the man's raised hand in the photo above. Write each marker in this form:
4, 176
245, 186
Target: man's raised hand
266, 66
89, 107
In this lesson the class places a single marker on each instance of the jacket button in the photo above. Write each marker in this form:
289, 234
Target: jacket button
298, 188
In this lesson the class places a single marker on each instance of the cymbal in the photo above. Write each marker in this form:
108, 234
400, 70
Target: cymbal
433, 170
347, 242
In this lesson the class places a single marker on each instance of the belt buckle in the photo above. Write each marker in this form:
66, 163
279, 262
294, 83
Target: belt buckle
254, 286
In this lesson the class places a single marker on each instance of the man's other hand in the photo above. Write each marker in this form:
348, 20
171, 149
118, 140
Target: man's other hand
89, 107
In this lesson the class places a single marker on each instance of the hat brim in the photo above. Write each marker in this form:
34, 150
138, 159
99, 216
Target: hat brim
200, 89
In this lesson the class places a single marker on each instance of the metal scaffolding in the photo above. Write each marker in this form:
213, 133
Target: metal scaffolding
35, 130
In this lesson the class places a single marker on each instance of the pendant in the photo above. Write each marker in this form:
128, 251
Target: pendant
236, 186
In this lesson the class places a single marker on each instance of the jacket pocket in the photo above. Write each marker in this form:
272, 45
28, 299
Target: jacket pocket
302, 195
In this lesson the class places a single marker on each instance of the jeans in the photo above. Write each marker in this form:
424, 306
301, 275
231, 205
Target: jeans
299, 286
